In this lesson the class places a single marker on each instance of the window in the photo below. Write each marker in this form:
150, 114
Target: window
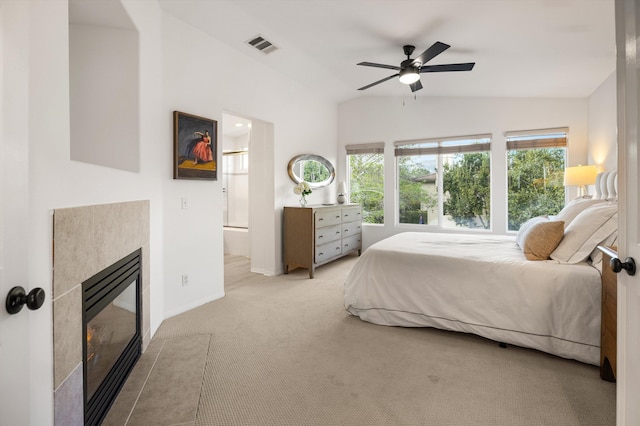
366, 179
535, 172
445, 182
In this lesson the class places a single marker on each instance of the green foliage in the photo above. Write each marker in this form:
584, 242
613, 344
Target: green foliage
535, 181
314, 171
413, 198
535, 187
367, 185
467, 189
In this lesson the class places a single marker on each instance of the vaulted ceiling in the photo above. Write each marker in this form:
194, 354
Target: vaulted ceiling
522, 48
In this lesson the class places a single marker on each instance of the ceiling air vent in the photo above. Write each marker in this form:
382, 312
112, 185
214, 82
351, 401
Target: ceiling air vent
263, 45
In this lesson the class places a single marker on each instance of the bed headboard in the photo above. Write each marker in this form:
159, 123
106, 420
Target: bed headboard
607, 185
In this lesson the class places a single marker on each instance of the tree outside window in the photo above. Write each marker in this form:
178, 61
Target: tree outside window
535, 174
467, 190
366, 180
445, 182
535, 181
418, 194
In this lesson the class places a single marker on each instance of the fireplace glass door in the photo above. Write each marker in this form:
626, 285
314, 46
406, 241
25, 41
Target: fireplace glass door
108, 334
112, 323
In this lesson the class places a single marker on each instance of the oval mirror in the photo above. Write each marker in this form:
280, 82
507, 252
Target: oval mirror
317, 171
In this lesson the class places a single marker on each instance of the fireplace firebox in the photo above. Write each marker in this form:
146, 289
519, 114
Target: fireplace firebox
112, 333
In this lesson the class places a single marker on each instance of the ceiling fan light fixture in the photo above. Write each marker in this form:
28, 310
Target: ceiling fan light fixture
409, 75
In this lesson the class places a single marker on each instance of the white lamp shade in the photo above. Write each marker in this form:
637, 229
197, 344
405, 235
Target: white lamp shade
580, 175
342, 188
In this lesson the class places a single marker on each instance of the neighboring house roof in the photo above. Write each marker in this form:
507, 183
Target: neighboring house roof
428, 178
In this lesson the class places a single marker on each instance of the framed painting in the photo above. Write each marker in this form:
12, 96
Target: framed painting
195, 143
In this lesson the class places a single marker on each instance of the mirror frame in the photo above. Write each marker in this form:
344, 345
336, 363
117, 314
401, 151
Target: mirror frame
312, 157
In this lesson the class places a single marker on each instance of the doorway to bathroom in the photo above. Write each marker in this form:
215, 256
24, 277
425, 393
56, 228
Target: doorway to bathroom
236, 141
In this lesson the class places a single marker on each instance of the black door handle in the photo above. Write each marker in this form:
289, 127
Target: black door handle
628, 265
17, 298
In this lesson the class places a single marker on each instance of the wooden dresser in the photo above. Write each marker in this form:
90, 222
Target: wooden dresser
608, 327
316, 235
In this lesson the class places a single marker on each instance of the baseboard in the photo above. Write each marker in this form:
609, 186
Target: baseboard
263, 272
182, 309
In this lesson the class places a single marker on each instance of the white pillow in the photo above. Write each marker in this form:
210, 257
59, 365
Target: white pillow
521, 236
574, 208
611, 240
585, 232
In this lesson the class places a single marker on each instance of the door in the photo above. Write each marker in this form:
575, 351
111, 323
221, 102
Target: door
14, 329
628, 66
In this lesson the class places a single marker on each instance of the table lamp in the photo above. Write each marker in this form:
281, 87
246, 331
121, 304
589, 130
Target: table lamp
342, 192
580, 176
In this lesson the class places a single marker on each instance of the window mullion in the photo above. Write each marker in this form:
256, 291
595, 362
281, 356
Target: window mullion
440, 187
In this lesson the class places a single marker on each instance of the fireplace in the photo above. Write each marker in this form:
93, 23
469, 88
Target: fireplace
112, 333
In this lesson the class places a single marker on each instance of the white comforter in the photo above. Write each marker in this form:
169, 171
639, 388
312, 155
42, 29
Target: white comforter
482, 285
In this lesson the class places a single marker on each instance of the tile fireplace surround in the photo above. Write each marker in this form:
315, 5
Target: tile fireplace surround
86, 240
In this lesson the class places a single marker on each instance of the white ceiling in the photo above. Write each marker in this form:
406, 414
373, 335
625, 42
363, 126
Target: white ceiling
234, 126
522, 48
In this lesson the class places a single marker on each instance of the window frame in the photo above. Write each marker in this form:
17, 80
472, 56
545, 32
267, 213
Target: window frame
440, 147
557, 137
363, 149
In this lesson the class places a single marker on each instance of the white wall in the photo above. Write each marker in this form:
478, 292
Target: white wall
103, 64
603, 137
206, 78
182, 69
390, 119
55, 181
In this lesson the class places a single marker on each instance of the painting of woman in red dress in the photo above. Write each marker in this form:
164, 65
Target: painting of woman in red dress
195, 146
202, 151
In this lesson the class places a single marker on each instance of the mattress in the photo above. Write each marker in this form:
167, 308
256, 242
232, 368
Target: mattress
479, 284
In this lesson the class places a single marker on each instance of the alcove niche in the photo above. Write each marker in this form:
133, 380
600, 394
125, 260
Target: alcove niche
104, 85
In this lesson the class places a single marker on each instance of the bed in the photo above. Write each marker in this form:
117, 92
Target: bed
485, 284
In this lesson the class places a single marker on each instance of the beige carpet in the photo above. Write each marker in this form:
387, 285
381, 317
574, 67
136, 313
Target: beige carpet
283, 351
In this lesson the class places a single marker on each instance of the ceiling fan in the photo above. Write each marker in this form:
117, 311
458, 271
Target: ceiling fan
410, 69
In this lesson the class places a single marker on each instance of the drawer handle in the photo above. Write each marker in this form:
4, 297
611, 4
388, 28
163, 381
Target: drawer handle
320, 254
337, 248
320, 236
346, 245
337, 232
337, 217
346, 215
320, 219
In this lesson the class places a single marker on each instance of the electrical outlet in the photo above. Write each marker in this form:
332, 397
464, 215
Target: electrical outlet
184, 203
185, 280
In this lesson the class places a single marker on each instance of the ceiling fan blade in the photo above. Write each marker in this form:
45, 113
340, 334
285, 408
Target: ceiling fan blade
448, 67
416, 86
372, 64
435, 49
378, 82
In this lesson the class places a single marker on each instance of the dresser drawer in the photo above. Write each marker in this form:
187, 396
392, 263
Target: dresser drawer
351, 243
351, 214
328, 218
327, 234
351, 228
328, 251
316, 235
